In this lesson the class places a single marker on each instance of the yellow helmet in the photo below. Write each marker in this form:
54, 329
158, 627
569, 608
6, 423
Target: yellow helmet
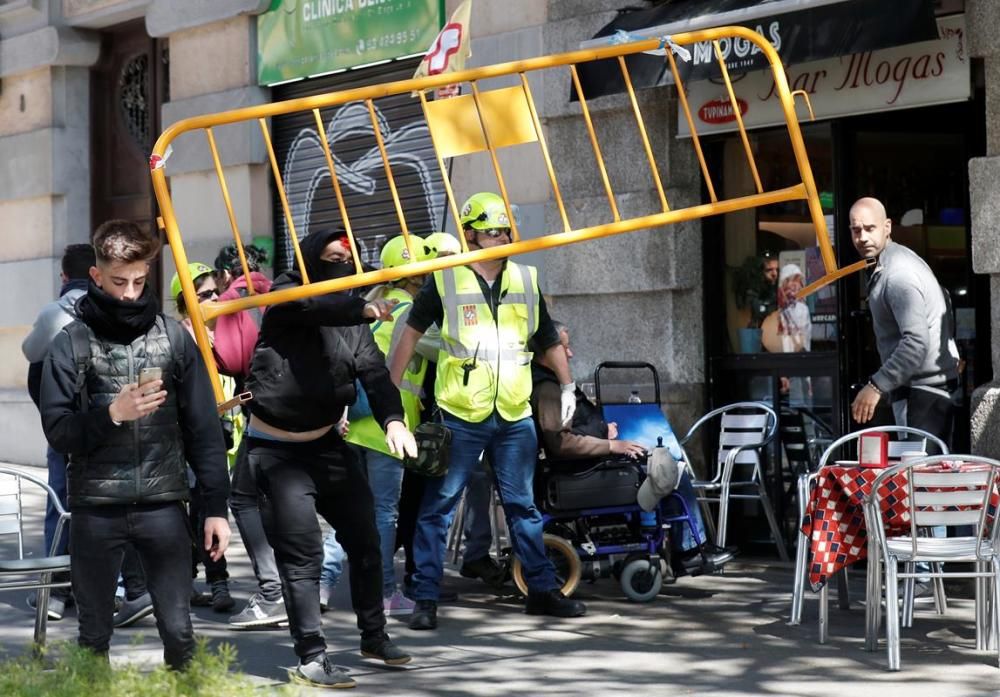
484, 211
394, 252
196, 269
442, 243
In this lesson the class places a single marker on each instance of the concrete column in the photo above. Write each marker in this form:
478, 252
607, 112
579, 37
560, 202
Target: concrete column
44, 193
983, 25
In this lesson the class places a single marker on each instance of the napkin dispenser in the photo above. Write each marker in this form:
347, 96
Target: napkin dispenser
873, 449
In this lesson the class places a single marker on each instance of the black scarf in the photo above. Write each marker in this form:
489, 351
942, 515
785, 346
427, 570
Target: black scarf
121, 321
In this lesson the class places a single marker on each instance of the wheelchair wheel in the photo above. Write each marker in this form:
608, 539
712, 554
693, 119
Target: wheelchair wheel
641, 580
563, 556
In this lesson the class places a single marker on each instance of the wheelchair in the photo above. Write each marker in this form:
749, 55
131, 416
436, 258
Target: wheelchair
590, 541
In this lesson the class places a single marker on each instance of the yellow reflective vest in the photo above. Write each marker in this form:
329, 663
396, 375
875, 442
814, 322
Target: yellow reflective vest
484, 363
367, 432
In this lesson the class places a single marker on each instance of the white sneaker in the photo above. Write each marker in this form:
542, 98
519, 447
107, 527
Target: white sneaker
397, 604
324, 597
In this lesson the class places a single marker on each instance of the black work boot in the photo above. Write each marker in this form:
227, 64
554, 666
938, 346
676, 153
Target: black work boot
425, 615
484, 568
553, 603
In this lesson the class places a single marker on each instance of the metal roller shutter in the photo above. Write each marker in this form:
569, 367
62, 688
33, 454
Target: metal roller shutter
311, 196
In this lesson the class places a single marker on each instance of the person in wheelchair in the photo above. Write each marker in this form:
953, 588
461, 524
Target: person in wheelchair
589, 439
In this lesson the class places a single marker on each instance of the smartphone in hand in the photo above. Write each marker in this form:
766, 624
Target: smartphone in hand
148, 375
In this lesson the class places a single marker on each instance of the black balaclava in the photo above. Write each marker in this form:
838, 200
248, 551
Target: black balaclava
312, 247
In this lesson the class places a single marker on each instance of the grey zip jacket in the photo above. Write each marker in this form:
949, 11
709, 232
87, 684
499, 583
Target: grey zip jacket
913, 325
51, 319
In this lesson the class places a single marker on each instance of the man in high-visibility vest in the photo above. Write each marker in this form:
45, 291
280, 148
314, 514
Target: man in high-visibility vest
385, 472
487, 312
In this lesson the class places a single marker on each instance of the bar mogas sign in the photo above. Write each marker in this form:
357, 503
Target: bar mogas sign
929, 72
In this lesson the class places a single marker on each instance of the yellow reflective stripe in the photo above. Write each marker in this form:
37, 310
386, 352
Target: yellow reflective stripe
529, 296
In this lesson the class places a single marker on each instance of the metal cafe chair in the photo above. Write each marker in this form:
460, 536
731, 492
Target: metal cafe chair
807, 482
745, 428
29, 573
954, 491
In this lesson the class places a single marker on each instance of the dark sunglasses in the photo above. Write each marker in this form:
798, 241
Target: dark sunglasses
208, 294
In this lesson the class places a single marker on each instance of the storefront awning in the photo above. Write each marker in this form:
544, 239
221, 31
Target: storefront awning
801, 31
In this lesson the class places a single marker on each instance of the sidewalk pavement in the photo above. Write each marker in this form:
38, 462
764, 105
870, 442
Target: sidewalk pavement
723, 635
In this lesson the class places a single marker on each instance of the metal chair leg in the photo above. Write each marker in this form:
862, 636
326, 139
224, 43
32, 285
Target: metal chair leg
772, 521
42, 612
891, 614
799, 582
723, 514
909, 590
843, 592
940, 599
981, 600
873, 601
824, 611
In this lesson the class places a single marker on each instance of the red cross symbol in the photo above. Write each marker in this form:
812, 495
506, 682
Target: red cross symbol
444, 47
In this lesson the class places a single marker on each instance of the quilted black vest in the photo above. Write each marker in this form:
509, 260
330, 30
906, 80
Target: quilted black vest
141, 461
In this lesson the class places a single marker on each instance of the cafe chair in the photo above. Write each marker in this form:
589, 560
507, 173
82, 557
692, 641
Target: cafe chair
745, 429
918, 440
28, 573
953, 491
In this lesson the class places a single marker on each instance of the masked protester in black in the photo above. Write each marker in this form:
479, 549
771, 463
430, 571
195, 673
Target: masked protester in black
307, 357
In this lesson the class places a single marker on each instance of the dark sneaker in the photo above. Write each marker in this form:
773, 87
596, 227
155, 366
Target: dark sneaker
706, 559
134, 610
425, 615
221, 600
553, 603
322, 673
260, 613
444, 595
485, 568
57, 606
382, 648
199, 599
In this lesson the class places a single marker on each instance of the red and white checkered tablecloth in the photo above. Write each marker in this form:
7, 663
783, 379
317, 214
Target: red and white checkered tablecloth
835, 520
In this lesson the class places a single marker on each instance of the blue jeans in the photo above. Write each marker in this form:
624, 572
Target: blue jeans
333, 561
385, 477
477, 527
57, 480
512, 448
681, 538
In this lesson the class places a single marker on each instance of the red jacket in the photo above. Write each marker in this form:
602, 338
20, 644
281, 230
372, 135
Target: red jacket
236, 335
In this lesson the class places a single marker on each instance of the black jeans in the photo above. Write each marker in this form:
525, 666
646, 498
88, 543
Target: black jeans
929, 410
246, 512
214, 570
161, 537
295, 481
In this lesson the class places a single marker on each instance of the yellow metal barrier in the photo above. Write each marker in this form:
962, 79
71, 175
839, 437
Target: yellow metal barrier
483, 121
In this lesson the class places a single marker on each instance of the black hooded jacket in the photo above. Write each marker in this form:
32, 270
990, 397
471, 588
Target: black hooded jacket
310, 352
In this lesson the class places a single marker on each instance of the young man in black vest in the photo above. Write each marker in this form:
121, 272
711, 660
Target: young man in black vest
127, 444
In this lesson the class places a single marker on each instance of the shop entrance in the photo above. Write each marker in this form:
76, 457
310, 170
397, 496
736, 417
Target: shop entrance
916, 162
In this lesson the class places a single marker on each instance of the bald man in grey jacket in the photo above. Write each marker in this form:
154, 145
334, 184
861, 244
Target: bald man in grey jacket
914, 330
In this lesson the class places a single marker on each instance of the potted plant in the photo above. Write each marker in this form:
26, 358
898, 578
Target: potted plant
753, 291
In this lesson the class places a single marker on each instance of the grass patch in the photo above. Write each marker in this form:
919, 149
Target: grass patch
66, 670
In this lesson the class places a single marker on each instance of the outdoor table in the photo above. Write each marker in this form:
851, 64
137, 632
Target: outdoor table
835, 522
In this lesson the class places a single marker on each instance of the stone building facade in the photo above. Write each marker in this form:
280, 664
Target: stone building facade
631, 297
